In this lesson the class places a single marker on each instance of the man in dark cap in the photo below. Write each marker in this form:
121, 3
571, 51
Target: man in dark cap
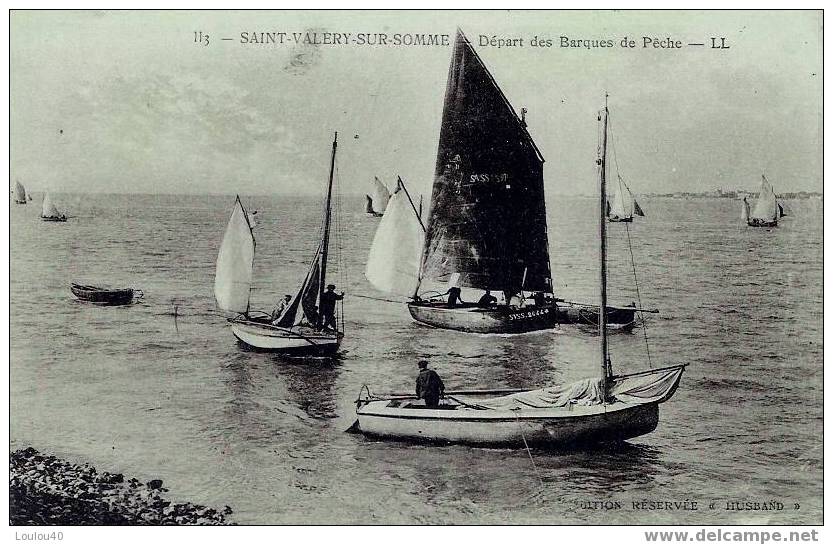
280, 307
429, 385
328, 307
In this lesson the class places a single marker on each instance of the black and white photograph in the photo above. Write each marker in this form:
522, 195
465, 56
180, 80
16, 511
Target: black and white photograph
418, 268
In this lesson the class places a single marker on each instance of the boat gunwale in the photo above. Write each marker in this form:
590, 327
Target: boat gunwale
338, 335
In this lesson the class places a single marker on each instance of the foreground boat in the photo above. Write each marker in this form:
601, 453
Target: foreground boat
298, 329
487, 226
767, 209
49, 212
604, 409
105, 296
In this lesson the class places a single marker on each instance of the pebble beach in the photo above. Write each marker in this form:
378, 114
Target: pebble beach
46, 490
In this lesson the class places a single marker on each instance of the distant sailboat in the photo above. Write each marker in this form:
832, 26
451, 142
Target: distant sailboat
622, 206
377, 204
20, 194
487, 227
606, 408
49, 211
767, 209
298, 330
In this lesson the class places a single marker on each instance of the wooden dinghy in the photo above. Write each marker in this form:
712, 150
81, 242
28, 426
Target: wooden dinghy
105, 296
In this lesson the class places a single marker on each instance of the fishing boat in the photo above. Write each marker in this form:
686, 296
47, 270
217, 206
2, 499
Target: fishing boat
299, 328
486, 227
607, 408
20, 193
622, 206
767, 209
105, 295
376, 205
49, 212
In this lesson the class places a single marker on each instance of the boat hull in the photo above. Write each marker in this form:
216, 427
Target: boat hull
504, 319
554, 428
762, 223
54, 218
101, 296
620, 220
270, 338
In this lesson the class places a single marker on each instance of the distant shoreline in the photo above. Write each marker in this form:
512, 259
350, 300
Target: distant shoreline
46, 490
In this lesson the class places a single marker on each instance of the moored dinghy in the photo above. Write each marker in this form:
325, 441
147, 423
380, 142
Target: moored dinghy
487, 225
102, 295
603, 409
298, 329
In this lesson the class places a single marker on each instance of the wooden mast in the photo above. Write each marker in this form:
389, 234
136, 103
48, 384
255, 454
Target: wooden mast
326, 240
606, 371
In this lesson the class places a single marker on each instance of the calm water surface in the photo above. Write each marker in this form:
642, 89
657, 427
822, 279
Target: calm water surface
122, 388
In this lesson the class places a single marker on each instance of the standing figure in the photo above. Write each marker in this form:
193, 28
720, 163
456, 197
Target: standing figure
328, 307
429, 385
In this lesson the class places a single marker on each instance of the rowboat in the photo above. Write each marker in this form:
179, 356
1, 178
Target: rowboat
105, 296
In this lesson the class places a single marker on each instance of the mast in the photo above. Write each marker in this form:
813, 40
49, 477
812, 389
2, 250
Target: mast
606, 371
326, 240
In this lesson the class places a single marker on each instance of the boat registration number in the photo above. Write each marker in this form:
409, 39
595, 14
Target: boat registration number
530, 314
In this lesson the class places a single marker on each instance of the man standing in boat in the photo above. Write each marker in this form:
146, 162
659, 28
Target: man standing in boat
328, 307
429, 385
453, 296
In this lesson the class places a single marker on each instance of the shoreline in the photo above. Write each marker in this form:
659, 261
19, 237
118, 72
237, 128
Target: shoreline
47, 490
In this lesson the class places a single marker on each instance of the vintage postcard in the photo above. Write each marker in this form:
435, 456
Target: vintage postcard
416, 267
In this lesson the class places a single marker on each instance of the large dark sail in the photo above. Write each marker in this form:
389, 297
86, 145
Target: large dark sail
488, 216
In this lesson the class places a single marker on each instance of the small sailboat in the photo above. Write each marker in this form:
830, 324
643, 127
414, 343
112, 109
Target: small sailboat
487, 224
49, 212
622, 206
20, 194
299, 329
767, 209
607, 408
376, 205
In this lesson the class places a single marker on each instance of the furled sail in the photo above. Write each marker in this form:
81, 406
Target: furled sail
19, 193
303, 309
381, 196
233, 276
487, 216
766, 207
49, 209
393, 261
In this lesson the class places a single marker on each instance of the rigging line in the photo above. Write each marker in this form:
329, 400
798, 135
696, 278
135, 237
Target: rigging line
377, 298
529, 452
638, 297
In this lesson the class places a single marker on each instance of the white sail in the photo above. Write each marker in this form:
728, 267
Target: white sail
233, 277
393, 261
381, 196
766, 208
19, 193
49, 210
622, 204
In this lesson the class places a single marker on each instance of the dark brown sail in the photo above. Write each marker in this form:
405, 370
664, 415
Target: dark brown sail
488, 217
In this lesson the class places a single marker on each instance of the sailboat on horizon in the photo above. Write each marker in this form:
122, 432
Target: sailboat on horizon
376, 205
608, 408
486, 227
20, 196
49, 212
767, 209
622, 205
300, 328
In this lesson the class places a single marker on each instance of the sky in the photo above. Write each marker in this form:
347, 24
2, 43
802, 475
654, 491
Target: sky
128, 102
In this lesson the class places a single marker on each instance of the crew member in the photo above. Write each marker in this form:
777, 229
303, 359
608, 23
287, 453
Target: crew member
280, 307
429, 385
453, 297
487, 300
328, 307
